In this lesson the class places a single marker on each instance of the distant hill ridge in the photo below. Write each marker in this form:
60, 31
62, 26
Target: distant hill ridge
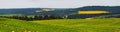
60, 11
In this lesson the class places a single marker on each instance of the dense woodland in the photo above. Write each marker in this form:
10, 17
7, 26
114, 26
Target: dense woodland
46, 17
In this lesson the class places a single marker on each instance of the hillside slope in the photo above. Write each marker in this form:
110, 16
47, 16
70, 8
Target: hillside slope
8, 25
61, 25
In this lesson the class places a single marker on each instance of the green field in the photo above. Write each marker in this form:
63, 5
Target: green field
61, 25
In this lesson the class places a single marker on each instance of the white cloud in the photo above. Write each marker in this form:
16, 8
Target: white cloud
56, 3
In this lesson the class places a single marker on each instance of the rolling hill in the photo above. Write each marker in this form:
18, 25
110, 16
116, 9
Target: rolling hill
60, 25
71, 12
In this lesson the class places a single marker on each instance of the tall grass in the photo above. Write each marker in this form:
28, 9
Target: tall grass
86, 25
61, 25
18, 25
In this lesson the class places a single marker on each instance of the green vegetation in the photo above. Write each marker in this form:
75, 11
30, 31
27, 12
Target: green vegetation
10, 15
107, 16
61, 25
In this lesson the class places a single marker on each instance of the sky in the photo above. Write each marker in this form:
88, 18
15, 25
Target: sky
56, 3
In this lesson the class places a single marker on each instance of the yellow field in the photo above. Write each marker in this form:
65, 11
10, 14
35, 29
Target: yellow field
92, 12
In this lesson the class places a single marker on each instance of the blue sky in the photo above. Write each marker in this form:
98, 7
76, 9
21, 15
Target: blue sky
56, 3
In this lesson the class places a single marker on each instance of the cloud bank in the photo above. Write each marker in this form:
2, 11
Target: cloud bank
56, 3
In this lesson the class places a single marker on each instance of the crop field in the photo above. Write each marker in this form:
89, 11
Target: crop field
61, 25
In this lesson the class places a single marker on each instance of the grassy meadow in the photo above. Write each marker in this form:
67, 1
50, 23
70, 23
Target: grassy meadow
61, 25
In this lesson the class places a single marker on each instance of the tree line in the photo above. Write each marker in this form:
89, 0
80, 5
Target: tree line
45, 17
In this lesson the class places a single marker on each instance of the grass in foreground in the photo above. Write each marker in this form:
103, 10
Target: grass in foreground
61, 25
